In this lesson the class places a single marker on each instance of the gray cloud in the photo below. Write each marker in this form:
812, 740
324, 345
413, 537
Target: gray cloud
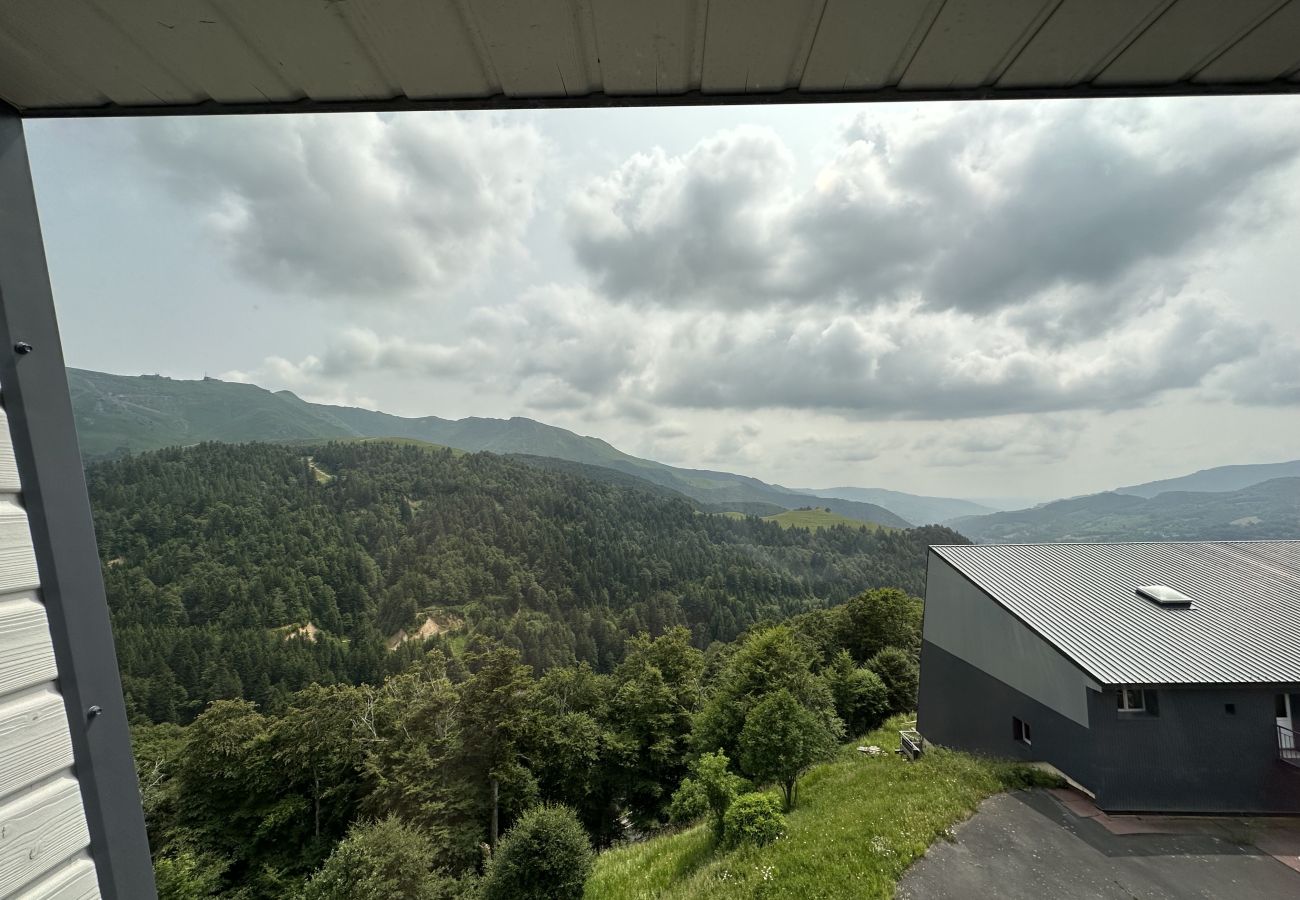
369, 206
981, 209
684, 227
910, 365
1005, 441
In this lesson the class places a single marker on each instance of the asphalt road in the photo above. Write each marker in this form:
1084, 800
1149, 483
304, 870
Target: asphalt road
1027, 846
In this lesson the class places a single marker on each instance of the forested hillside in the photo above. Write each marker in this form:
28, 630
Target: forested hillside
120, 414
372, 664
251, 571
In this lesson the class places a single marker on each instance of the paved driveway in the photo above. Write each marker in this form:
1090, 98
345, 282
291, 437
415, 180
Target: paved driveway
1027, 846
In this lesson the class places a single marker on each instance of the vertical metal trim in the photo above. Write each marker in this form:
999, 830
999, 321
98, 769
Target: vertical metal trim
35, 389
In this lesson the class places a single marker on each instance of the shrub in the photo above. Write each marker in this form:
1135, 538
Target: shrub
898, 670
715, 783
880, 618
545, 856
378, 861
861, 698
690, 802
187, 875
754, 819
781, 739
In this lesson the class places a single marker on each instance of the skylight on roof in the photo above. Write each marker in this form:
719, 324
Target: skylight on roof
1161, 595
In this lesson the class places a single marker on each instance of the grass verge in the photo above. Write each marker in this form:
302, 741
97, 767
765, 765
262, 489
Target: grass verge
860, 822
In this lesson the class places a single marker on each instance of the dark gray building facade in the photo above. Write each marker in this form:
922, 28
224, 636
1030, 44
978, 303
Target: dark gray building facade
1050, 653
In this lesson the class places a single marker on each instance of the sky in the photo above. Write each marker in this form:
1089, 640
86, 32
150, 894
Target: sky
1011, 299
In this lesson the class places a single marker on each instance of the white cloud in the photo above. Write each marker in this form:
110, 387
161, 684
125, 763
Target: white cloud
361, 206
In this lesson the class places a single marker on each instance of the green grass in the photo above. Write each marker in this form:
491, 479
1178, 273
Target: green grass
859, 823
816, 518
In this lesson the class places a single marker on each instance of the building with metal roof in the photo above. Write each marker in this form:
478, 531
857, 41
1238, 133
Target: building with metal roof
1156, 676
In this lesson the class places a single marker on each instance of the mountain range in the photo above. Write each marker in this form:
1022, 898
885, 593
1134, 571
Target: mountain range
1263, 511
1220, 479
121, 414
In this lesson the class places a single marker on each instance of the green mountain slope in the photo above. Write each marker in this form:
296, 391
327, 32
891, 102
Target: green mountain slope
912, 507
217, 557
1222, 478
1268, 510
119, 414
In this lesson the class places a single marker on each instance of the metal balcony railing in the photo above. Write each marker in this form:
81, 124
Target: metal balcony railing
1287, 751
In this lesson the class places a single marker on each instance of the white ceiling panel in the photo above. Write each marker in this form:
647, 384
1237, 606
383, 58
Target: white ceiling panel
1078, 40
971, 41
755, 46
862, 45
311, 46
1270, 51
30, 78
71, 36
1186, 37
199, 45
539, 48
643, 44
426, 46
125, 57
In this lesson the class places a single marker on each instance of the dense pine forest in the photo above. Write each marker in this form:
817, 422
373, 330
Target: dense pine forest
375, 669
252, 571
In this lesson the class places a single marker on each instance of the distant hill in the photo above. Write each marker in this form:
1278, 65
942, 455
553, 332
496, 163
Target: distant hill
1267, 510
1222, 478
120, 414
912, 507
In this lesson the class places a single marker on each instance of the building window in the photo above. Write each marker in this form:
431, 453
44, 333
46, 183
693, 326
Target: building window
1132, 701
1020, 731
1230, 708
1135, 701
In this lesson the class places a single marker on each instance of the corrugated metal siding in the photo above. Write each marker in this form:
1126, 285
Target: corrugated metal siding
1243, 627
961, 620
150, 53
43, 835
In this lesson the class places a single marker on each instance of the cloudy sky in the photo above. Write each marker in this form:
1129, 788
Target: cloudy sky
999, 299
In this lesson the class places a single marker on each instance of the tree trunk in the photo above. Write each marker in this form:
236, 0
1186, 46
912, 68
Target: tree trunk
789, 795
495, 794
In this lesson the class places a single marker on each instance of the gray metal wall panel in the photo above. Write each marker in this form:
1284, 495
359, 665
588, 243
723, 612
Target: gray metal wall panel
962, 620
1192, 756
963, 707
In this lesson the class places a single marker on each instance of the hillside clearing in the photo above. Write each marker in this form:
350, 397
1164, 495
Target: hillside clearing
860, 822
430, 627
815, 518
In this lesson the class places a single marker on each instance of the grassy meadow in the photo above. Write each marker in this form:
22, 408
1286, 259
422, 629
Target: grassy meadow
859, 823
816, 518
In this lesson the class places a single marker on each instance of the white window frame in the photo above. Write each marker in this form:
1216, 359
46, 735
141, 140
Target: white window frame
1125, 706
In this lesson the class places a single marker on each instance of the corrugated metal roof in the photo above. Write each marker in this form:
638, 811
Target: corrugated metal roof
1243, 625
128, 56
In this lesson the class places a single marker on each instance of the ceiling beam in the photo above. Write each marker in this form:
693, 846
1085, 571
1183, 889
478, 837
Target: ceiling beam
690, 98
